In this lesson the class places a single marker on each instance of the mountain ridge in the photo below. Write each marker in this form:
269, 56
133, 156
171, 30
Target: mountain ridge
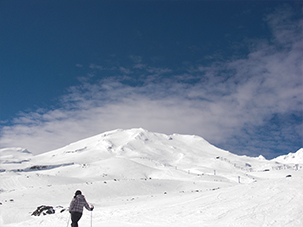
139, 147
138, 134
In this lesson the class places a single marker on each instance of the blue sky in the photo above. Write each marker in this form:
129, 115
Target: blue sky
229, 71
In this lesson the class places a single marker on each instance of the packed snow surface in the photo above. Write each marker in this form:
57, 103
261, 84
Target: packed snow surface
139, 178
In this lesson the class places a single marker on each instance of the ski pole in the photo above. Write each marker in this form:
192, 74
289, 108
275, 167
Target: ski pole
68, 220
91, 219
91, 215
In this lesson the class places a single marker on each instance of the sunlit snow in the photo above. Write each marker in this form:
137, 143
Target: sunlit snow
139, 178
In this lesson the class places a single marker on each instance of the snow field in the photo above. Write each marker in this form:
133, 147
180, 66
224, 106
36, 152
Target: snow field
137, 178
274, 202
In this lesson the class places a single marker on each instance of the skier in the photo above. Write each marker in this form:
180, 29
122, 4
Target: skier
76, 207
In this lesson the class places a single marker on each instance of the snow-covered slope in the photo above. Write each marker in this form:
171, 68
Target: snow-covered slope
129, 174
14, 155
291, 158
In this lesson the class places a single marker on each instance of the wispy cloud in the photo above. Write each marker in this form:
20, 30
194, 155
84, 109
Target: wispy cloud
250, 105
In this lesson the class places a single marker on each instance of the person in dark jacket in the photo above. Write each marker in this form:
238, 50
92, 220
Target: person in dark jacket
76, 207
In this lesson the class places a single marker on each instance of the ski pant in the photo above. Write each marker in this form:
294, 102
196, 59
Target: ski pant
75, 216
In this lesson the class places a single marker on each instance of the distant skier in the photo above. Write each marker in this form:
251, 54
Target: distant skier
76, 207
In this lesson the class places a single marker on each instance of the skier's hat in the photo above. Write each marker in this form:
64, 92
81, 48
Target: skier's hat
78, 192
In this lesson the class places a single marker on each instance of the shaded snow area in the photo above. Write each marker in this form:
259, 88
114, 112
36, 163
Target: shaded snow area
139, 178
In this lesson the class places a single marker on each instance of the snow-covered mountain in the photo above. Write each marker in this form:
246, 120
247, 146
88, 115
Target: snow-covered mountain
296, 158
186, 152
114, 168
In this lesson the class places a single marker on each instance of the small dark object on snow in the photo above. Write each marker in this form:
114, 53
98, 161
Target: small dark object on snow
44, 210
37, 167
288, 176
247, 165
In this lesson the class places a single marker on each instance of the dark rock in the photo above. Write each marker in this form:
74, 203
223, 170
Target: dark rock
37, 167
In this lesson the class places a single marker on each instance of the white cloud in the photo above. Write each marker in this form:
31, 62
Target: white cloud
230, 100
125, 70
